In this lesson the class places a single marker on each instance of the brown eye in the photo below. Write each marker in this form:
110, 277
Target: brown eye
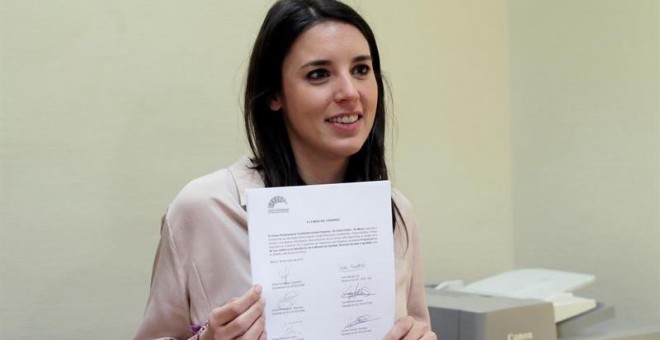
318, 75
361, 70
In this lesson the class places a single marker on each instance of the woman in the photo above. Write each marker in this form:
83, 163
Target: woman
314, 113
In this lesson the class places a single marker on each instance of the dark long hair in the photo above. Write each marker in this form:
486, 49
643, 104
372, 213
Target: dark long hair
266, 130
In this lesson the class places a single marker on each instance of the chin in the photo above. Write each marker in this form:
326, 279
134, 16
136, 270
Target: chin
347, 150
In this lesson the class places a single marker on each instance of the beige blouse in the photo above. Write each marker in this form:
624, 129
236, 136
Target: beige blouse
203, 257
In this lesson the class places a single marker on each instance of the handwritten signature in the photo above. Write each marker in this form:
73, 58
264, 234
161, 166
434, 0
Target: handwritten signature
291, 330
284, 275
355, 292
288, 300
360, 320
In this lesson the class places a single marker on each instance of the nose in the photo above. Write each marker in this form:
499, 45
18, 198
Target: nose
346, 89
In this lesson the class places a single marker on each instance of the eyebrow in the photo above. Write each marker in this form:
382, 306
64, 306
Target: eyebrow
324, 62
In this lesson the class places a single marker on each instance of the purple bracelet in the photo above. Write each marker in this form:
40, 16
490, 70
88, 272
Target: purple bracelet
197, 329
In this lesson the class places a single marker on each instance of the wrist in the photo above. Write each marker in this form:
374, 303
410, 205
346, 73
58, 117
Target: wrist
205, 334
199, 332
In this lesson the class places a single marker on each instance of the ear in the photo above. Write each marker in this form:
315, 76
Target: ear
275, 103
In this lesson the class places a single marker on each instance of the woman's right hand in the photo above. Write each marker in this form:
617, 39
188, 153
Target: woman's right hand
239, 318
407, 328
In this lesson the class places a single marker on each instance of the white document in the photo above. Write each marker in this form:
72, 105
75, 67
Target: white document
324, 257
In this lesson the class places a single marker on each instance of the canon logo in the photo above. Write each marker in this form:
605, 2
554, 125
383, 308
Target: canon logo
520, 336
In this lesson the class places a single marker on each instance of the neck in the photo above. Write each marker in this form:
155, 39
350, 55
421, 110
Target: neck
318, 170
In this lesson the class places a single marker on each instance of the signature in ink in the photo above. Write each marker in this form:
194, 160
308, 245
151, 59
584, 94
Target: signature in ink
284, 275
355, 292
288, 300
359, 320
291, 330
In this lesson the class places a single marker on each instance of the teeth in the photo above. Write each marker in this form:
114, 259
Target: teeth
344, 119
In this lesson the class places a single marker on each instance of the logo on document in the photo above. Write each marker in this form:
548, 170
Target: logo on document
278, 205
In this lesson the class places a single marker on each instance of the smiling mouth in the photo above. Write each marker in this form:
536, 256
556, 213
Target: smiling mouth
347, 119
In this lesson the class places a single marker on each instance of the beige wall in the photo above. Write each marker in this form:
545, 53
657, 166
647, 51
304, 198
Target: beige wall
109, 107
585, 89
447, 62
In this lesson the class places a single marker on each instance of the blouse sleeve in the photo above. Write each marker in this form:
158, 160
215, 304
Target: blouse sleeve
417, 307
167, 314
416, 304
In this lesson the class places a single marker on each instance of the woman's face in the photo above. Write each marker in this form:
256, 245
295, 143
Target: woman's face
329, 92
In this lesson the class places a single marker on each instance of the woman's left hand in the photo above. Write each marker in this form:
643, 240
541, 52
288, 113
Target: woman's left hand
407, 328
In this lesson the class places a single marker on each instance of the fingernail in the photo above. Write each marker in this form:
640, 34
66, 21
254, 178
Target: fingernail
257, 288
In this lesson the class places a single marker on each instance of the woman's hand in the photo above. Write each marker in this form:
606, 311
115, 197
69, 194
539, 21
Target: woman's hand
239, 318
407, 328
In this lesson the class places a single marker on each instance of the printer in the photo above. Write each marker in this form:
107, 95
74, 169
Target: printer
468, 316
524, 304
